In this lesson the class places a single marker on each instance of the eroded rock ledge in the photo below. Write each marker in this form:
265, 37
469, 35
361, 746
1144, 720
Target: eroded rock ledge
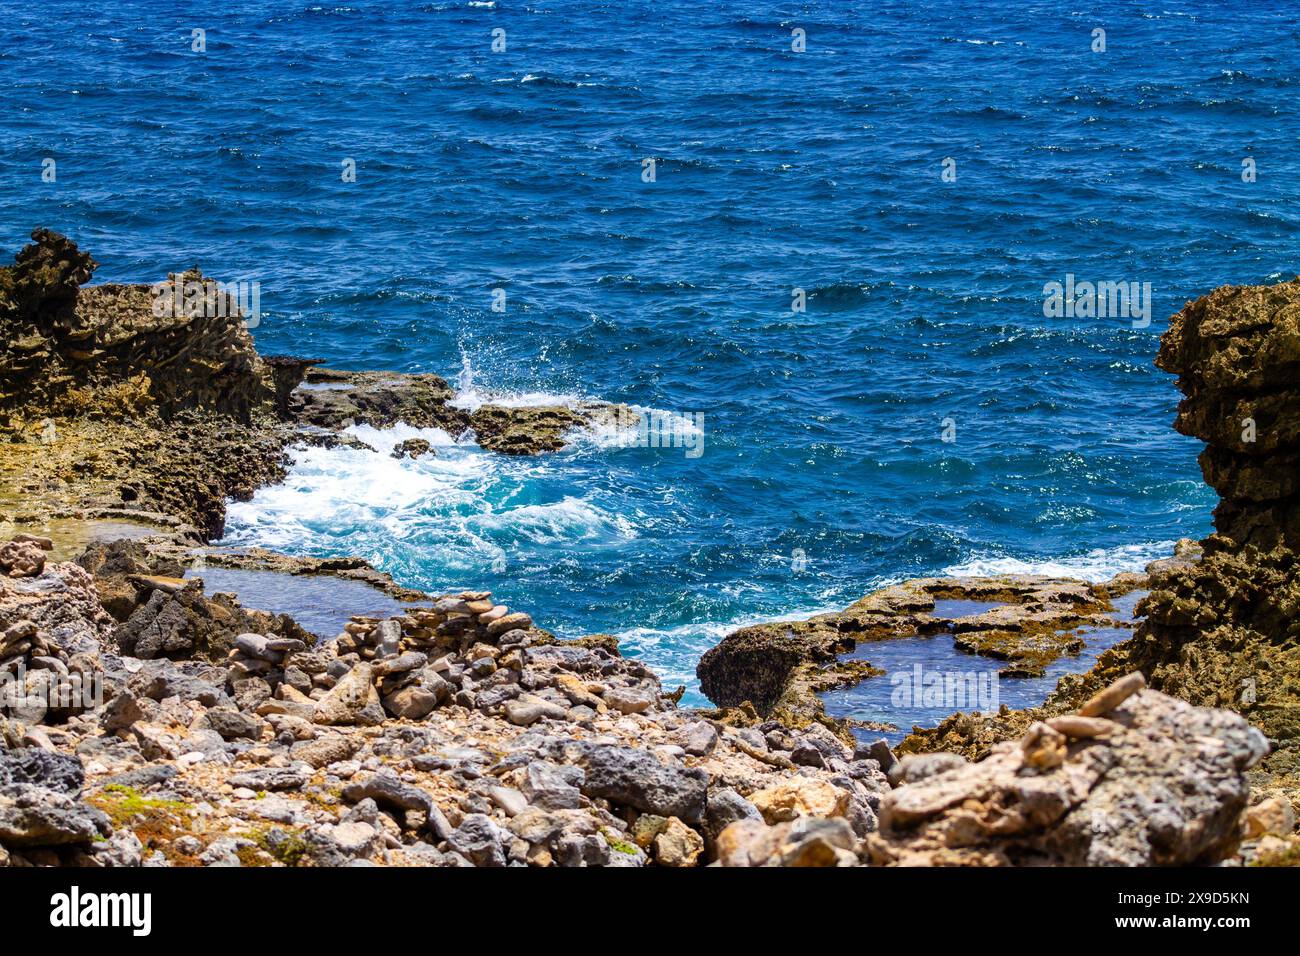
114, 401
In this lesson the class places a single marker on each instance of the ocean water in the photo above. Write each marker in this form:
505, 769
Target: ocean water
824, 472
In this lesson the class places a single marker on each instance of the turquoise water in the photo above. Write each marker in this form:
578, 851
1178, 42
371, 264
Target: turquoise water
824, 471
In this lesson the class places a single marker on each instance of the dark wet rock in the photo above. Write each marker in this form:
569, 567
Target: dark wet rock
524, 431
336, 399
413, 448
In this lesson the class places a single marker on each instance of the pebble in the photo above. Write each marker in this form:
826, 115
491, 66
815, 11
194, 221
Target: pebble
1107, 700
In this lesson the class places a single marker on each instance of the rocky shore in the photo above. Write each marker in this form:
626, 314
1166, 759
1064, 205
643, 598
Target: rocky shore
144, 721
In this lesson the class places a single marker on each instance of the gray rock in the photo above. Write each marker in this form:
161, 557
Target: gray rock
879, 751
914, 768
574, 849
325, 750
414, 702
479, 840
698, 738
386, 789
250, 692
388, 638
42, 768
636, 779
121, 712
508, 799
353, 700
142, 778
224, 852
726, 807
527, 711
271, 778
807, 754
35, 816
257, 646
402, 663
630, 700
123, 848
553, 786
232, 724
162, 680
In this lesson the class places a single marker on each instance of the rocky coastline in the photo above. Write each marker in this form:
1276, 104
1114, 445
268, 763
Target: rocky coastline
146, 722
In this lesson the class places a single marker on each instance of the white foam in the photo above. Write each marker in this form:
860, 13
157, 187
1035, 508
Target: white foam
454, 505
470, 398
1100, 564
671, 429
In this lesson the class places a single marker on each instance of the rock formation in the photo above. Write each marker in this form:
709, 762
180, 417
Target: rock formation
1145, 781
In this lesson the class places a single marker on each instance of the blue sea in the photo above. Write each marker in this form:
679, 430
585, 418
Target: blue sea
920, 170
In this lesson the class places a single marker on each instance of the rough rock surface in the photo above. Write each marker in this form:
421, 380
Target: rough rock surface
1166, 786
67, 343
290, 754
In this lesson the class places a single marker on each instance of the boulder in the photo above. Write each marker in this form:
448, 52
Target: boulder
636, 779
353, 700
1168, 788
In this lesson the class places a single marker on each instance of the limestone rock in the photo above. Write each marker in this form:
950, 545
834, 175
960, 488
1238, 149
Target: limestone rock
800, 796
353, 700
1167, 788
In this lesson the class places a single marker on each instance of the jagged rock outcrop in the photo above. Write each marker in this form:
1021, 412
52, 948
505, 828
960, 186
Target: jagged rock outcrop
1151, 781
119, 349
334, 399
1224, 631
174, 619
1236, 353
150, 403
524, 431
